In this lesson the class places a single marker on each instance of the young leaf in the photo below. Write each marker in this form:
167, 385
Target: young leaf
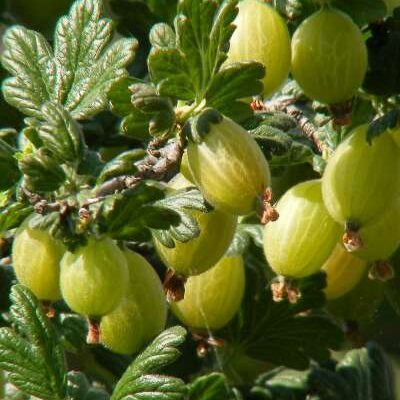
41, 172
209, 387
8, 166
182, 202
76, 76
61, 135
141, 381
31, 354
13, 215
130, 215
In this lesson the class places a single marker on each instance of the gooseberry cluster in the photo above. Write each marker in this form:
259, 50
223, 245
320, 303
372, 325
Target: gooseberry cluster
340, 223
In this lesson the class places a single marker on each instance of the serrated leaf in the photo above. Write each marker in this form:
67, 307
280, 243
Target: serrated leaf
13, 215
75, 76
182, 202
8, 166
61, 135
209, 387
279, 332
41, 172
32, 355
80, 389
243, 235
130, 215
140, 380
382, 124
162, 35
123, 164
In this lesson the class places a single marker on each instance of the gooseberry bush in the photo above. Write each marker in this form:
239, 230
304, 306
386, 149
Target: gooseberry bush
199, 199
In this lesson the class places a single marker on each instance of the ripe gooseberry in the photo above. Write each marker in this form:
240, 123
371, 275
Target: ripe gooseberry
141, 314
381, 237
299, 242
262, 35
94, 278
362, 180
343, 272
36, 259
214, 297
329, 56
227, 164
194, 257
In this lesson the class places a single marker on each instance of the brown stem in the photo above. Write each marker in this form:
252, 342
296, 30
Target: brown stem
288, 106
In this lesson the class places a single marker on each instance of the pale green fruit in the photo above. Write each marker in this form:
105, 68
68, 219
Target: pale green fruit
94, 278
142, 313
36, 259
185, 169
229, 167
262, 35
300, 241
395, 133
329, 56
214, 297
381, 237
362, 180
196, 256
343, 272
201, 253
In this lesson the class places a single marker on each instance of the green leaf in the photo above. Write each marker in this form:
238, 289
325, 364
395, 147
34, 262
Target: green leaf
8, 166
382, 124
130, 215
123, 164
77, 77
279, 332
363, 374
243, 236
13, 215
162, 35
61, 135
41, 172
142, 379
31, 354
79, 388
209, 387
182, 202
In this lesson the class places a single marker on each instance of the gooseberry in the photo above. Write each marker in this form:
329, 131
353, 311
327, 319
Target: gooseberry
202, 252
381, 237
343, 272
94, 278
300, 241
227, 164
214, 297
36, 259
362, 180
329, 56
262, 35
142, 313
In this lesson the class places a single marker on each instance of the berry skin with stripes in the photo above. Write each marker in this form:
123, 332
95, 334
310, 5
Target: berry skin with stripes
329, 56
262, 35
227, 164
301, 240
214, 297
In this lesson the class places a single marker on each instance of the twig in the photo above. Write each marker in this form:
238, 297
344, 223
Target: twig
288, 106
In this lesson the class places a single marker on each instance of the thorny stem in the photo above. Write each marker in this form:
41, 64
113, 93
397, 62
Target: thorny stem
288, 106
